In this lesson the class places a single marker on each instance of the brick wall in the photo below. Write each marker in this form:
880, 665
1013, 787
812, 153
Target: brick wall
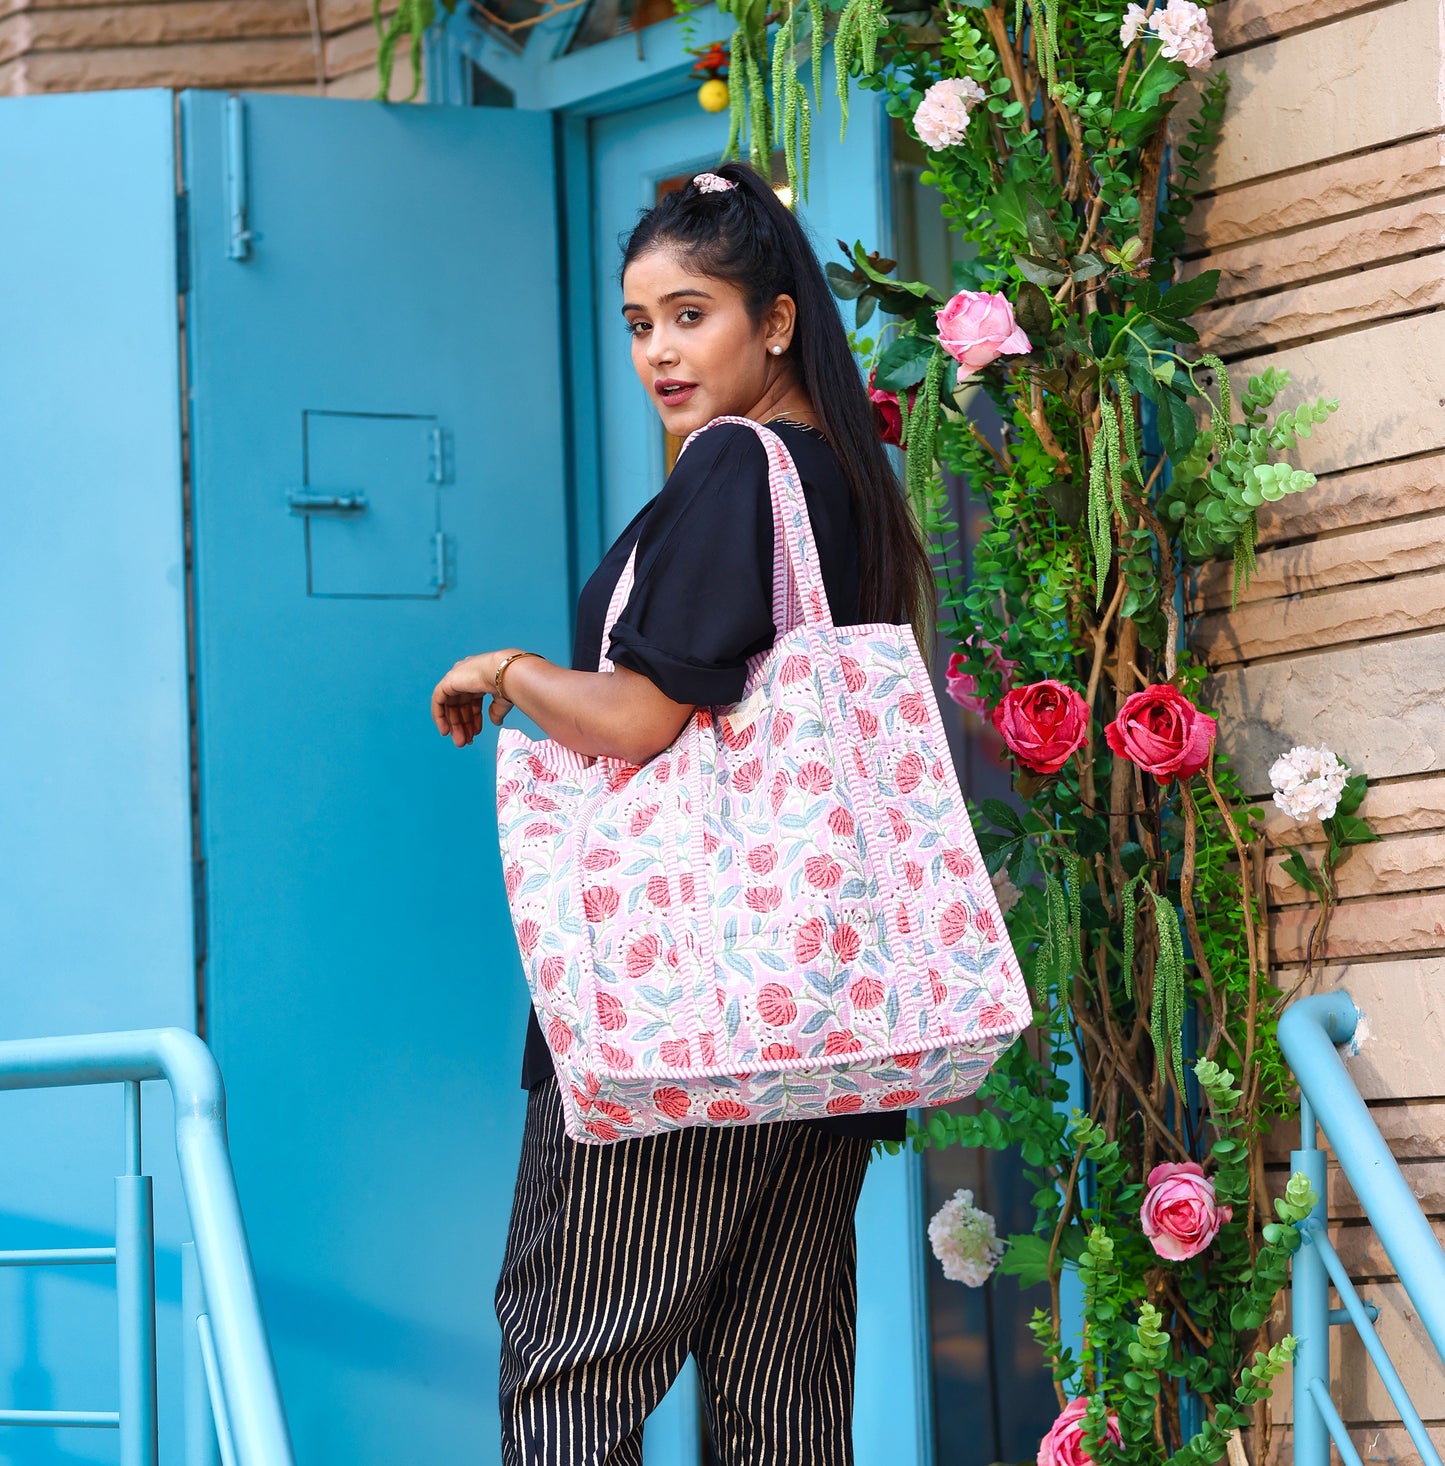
1327, 218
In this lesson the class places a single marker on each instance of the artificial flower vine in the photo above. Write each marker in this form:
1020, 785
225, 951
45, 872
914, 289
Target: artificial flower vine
1124, 456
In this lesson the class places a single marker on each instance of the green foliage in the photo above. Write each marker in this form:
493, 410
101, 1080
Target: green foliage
1126, 454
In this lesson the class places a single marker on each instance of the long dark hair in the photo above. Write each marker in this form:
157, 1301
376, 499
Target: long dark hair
746, 236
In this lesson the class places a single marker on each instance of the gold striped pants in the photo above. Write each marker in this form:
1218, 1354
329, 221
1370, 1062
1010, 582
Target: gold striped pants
734, 1244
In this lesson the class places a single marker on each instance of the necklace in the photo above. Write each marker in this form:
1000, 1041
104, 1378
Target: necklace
793, 422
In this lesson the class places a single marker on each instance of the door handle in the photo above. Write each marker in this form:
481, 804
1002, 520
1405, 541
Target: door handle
302, 502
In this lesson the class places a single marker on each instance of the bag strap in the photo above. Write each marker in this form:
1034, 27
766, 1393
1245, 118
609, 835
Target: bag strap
799, 597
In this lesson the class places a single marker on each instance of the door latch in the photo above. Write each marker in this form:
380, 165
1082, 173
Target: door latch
302, 502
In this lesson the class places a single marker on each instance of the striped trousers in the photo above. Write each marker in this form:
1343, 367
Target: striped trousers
734, 1244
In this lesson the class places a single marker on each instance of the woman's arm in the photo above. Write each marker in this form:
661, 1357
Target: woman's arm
617, 714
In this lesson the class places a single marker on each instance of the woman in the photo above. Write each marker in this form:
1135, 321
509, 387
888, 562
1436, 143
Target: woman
733, 1244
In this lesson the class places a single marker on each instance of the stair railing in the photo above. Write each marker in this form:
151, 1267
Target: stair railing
1309, 1033
229, 1373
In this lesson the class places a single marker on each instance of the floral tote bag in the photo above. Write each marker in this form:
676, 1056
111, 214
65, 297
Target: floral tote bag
783, 915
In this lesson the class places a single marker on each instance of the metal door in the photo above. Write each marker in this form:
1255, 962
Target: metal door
630, 154
376, 423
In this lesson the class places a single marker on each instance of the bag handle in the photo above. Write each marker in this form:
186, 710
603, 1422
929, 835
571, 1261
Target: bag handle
799, 596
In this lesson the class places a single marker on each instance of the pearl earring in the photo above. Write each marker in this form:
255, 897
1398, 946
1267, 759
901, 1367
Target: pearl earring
777, 351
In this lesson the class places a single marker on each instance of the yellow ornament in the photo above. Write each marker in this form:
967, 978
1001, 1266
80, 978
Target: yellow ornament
712, 95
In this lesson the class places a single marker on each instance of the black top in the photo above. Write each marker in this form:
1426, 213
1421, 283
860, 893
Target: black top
702, 599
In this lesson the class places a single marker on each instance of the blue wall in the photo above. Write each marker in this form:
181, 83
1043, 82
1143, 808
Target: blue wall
95, 841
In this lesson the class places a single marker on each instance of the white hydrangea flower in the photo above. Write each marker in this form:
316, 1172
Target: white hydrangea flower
942, 116
1183, 30
1308, 782
964, 1240
1007, 894
1134, 18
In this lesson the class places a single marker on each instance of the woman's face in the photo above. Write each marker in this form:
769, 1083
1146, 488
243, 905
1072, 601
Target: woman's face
695, 348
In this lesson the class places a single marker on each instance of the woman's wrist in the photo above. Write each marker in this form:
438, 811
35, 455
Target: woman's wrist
505, 660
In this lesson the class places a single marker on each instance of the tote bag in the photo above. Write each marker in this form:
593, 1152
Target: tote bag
784, 914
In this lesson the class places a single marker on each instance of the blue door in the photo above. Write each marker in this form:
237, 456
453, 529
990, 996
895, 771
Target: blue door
375, 409
629, 156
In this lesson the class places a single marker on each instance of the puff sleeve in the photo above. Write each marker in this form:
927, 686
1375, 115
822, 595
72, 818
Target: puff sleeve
701, 600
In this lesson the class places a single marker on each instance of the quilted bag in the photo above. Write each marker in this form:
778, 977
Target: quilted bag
781, 916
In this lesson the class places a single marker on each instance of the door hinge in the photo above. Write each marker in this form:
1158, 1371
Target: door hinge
441, 449
440, 548
183, 243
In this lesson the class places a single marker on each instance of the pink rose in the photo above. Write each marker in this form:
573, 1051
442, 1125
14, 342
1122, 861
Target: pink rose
1044, 724
1159, 729
1180, 1215
978, 326
963, 686
1064, 1444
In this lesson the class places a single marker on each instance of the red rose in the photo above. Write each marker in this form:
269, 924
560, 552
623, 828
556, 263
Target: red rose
1161, 731
1044, 724
887, 417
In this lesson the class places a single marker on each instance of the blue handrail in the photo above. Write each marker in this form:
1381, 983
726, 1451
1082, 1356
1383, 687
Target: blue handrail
230, 1335
1309, 1033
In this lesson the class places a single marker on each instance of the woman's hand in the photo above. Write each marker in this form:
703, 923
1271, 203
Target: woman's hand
456, 703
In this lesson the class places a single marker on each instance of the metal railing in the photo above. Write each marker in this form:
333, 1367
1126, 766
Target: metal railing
232, 1401
1309, 1032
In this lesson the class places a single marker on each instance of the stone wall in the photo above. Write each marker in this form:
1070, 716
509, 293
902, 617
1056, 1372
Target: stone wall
306, 46
1326, 215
